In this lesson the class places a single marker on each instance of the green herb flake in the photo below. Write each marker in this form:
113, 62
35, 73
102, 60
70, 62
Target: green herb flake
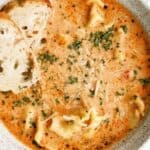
16, 65
134, 97
66, 97
46, 57
96, 38
44, 114
100, 101
25, 100
32, 124
117, 110
107, 45
124, 28
145, 81
135, 72
106, 121
119, 93
72, 79
69, 61
77, 98
57, 101
102, 38
3, 102
75, 45
87, 65
17, 103
102, 61
92, 93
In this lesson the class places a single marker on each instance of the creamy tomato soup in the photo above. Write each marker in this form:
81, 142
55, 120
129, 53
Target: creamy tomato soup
93, 84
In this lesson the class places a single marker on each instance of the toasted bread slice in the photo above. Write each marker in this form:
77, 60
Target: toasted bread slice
17, 65
32, 17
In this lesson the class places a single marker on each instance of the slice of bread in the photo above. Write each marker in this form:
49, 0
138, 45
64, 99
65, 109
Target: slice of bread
32, 17
17, 64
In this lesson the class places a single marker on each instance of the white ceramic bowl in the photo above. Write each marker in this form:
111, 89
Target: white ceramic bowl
138, 138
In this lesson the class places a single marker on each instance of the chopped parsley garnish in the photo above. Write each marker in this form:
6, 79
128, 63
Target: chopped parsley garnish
134, 97
119, 93
25, 100
145, 81
75, 45
57, 101
72, 79
135, 72
96, 38
92, 92
102, 61
106, 121
71, 59
16, 65
28, 73
107, 45
36, 102
3, 102
102, 38
124, 28
88, 64
44, 114
32, 124
117, 110
46, 57
77, 98
17, 103
66, 97
100, 101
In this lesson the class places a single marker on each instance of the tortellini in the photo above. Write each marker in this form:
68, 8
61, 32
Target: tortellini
96, 14
98, 2
138, 108
119, 52
40, 131
95, 122
67, 126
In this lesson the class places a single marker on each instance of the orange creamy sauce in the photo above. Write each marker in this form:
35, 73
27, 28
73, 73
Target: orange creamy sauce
81, 69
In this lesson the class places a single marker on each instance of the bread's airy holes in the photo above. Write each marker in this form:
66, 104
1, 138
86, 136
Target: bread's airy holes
35, 32
16, 64
1, 68
1, 31
24, 27
43, 40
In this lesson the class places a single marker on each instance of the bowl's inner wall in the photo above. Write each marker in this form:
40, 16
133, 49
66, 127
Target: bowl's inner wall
140, 137
141, 8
